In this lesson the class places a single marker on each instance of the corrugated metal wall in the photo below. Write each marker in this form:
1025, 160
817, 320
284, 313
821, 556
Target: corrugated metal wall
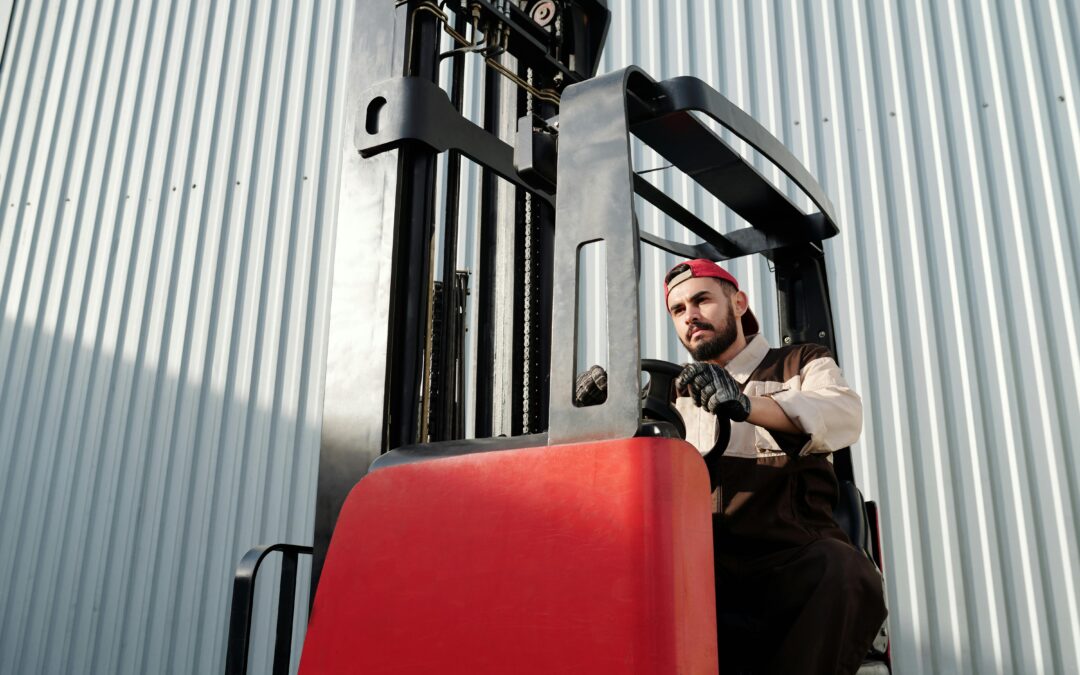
165, 171
6, 9
946, 134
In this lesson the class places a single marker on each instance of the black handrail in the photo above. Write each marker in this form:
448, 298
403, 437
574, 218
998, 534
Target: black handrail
243, 604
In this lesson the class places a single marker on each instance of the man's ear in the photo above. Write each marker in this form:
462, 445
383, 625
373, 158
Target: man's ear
740, 302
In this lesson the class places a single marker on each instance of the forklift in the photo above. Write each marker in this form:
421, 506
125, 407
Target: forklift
571, 539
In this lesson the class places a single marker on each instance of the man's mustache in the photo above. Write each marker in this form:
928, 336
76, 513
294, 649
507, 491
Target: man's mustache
704, 325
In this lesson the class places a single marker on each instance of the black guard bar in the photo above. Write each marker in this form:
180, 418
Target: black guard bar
243, 605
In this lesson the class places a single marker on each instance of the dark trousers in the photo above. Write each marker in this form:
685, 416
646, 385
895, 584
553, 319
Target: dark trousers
808, 609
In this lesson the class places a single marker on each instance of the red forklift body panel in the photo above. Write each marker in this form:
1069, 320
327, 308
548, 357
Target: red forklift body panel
591, 558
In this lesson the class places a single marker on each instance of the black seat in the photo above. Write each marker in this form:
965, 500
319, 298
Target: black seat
853, 517
850, 514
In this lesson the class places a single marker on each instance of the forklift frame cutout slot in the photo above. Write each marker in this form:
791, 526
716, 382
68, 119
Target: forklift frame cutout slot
590, 325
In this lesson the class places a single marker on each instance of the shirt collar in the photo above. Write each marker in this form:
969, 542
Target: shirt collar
747, 361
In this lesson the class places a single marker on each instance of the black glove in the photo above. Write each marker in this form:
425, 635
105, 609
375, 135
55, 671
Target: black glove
713, 389
591, 387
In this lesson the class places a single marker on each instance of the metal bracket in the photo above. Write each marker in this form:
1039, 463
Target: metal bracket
535, 154
414, 109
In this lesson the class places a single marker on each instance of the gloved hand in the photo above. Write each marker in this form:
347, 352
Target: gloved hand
591, 387
714, 389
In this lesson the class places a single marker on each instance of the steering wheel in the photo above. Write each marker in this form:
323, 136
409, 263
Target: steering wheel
659, 408
659, 403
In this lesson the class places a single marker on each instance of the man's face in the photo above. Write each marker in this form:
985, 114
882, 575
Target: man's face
704, 317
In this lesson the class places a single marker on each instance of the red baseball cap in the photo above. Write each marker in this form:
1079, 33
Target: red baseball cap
702, 268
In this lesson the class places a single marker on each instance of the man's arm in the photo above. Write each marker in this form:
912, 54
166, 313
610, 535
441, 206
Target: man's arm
825, 408
767, 413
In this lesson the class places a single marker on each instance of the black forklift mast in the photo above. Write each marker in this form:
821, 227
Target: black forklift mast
401, 116
391, 380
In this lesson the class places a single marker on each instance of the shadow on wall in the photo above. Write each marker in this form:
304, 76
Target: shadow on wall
129, 494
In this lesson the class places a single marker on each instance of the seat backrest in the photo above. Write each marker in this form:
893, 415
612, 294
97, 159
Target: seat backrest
850, 514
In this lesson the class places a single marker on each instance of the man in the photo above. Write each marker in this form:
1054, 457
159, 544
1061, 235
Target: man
792, 594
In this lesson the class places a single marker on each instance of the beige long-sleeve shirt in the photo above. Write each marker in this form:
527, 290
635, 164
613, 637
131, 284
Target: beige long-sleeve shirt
807, 384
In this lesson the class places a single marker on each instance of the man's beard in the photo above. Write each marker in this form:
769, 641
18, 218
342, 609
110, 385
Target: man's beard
723, 337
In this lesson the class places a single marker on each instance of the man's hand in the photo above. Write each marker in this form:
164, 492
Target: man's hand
713, 389
591, 387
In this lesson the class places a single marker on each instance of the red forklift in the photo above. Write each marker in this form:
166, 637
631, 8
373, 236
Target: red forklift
578, 539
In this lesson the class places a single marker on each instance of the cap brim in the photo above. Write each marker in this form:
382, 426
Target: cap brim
749, 324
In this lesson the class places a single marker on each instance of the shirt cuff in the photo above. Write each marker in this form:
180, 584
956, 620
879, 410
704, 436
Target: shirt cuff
806, 416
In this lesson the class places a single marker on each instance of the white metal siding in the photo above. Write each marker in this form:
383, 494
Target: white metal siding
6, 9
946, 134
165, 171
